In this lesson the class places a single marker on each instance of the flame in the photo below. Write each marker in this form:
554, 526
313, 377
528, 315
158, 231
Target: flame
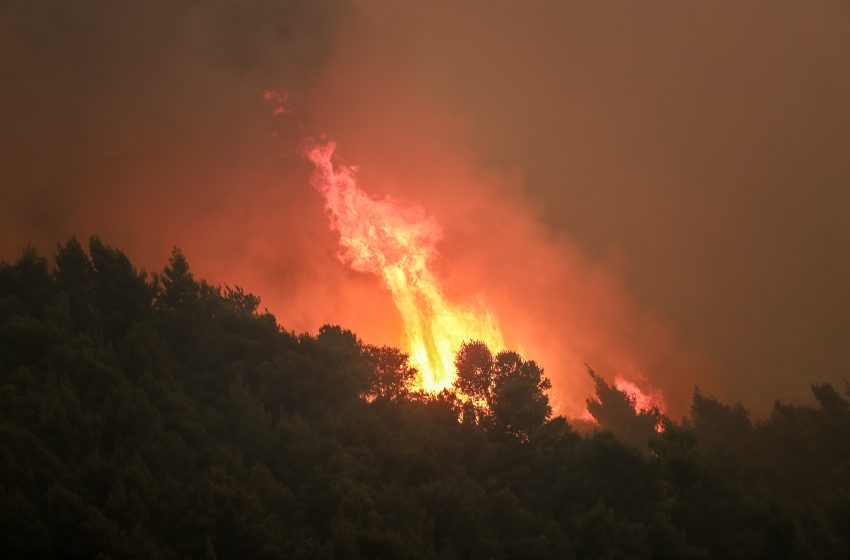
642, 401
397, 243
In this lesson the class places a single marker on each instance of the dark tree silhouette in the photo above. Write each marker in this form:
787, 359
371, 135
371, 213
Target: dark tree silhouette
163, 417
391, 373
615, 410
474, 369
179, 291
518, 399
505, 391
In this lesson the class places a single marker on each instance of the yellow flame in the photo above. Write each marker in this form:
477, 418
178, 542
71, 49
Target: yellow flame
397, 243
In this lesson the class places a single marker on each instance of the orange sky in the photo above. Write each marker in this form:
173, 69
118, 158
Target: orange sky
658, 191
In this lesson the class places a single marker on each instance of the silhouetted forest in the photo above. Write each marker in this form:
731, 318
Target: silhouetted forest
158, 416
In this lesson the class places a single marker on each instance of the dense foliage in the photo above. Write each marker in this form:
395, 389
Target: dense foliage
161, 417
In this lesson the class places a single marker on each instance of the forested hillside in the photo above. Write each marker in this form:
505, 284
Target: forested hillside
157, 416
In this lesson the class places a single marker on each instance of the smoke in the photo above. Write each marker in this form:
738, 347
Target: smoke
693, 152
145, 123
553, 303
655, 191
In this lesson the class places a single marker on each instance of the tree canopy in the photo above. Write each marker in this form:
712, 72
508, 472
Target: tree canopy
158, 416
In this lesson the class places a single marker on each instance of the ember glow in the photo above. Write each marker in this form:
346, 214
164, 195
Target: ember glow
397, 242
279, 100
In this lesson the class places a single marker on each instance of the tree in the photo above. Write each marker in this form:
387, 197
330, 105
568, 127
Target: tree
122, 294
720, 425
506, 389
390, 372
75, 276
179, 289
27, 282
474, 369
615, 411
518, 400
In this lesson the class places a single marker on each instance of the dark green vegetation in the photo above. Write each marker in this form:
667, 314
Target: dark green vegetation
161, 417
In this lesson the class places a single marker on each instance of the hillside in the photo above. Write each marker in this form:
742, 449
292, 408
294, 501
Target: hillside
157, 416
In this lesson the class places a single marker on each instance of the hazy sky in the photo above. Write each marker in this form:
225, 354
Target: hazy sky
682, 164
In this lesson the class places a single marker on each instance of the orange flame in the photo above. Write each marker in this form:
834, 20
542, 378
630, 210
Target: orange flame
642, 401
397, 243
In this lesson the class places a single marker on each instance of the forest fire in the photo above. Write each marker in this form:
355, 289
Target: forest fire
399, 279
397, 243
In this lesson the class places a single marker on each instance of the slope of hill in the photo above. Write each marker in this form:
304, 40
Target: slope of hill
156, 416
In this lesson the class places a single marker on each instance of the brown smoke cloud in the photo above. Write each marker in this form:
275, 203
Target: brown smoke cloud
658, 191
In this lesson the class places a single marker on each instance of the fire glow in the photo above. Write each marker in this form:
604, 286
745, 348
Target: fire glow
642, 401
398, 243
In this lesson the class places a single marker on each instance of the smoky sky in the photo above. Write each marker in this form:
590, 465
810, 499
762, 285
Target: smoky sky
701, 147
697, 153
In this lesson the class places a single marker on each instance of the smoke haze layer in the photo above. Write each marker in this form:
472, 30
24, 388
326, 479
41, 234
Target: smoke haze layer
658, 191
